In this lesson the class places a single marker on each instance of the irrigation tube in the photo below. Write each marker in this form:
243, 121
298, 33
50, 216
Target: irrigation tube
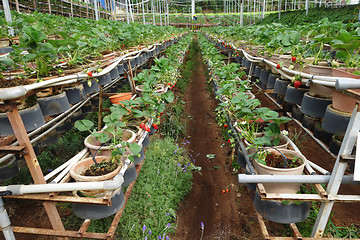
244, 178
115, 183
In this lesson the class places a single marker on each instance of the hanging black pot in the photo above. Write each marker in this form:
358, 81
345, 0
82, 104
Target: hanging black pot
334, 121
48, 139
322, 135
335, 144
296, 113
54, 104
8, 169
264, 78
114, 73
281, 86
32, 118
121, 69
6, 50
75, 94
90, 86
104, 79
77, 116
271, 80
257, 71
277, 211
90, 211
293, 95
314, 106
310, 122
152, 130
140, 157
130, 175
146, 141
86, 108
65, 126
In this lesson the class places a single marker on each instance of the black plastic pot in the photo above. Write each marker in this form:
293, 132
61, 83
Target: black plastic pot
114, 73
295, 96
77, 116
334, 121
271, 81
310, 122
314, 106
32, 118
91, 86
146, 141
104, 79
91, 211
296, 113
335, 144
257, 71
54, 104
281, 86
86, 108
6, 50
8, 169
276, 211
139, 159
65, 126
322, 135
121, 69
49, 139
264, 77
152, 130
130, 175
75, 94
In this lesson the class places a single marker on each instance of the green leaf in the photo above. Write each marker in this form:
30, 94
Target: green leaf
169, 96
83, 125
29, 57
6, 61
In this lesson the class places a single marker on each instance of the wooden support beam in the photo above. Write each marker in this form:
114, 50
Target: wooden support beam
11, 149
33, 164
60, 198
58, 233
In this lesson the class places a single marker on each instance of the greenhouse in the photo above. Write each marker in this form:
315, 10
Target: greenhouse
184, 119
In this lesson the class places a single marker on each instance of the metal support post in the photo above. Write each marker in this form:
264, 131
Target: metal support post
337, 173
96, 11
279, 8
242, 13
5, 223
143, 13
307, 6
8, 15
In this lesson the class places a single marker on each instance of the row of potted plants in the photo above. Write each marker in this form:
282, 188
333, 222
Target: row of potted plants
258, 128
126, 133
321, 106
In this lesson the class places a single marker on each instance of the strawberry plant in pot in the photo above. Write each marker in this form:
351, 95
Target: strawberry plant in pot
273, 161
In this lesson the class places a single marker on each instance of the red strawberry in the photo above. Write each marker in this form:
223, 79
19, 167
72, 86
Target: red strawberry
155, 126
142, 125
89, 73
123, 45
227, 190
125, 76
169, 84
223, 191
223, 42
278, 66
293, 59
229, 140
147, 129
297, 84
225, 126
62, 61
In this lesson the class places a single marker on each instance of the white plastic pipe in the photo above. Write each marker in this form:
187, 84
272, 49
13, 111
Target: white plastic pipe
5, 222
244, 178
115, 183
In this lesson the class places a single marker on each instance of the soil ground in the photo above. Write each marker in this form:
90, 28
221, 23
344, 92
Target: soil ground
228, 215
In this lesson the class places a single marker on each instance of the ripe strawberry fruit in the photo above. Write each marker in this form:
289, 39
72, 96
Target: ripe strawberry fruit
89, 73
225, 126
147, 129
142, 125
297, 84
229, 140
223, 191
227, 190
278, 66
293, 59
155, 126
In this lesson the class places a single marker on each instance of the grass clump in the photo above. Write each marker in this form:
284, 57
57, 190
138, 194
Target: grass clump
164, 180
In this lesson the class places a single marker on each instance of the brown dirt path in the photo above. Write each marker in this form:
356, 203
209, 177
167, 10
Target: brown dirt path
225, 215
